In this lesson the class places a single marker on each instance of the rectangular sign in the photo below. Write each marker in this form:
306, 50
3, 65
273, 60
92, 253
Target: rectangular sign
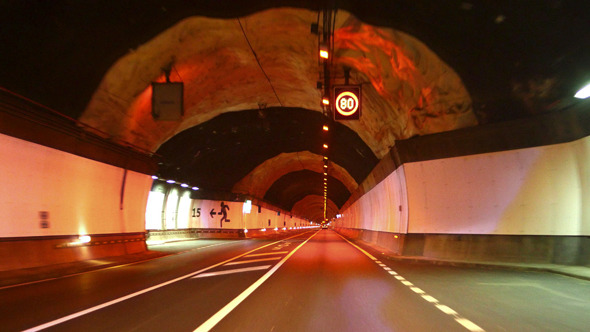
167, 101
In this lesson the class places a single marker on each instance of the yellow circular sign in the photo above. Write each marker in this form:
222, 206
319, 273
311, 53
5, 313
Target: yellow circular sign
347, 103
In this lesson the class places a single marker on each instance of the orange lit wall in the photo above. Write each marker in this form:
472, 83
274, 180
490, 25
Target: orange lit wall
534, 191
81, 196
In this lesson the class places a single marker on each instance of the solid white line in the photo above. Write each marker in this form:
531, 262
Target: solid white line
217, 317
121, 299
267, 253
254, 260
359, 248
469, 325
219, 273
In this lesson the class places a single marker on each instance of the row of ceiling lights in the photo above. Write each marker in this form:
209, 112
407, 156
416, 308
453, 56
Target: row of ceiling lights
325, 46
184, 185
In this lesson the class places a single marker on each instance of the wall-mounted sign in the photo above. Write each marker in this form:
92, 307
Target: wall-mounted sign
347, 102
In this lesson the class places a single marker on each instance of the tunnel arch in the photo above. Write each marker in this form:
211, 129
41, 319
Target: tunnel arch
266, 63
258, 181
311, 207
211, 56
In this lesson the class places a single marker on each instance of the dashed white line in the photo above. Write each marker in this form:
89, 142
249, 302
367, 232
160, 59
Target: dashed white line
417, 290
469, 325
429, 298
447, 310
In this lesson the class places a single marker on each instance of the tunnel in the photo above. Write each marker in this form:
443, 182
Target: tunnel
127, 125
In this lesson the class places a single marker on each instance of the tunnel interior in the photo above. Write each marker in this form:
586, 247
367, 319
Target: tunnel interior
253, 118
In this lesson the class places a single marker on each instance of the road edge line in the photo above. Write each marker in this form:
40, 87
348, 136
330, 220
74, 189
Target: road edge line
218, 316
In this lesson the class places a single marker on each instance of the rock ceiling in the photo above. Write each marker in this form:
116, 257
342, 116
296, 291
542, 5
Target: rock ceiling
252, 122
407, 91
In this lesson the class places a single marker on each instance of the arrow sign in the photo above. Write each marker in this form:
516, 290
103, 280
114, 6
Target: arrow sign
212, 213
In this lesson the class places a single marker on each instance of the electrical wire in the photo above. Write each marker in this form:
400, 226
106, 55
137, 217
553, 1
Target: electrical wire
259, 65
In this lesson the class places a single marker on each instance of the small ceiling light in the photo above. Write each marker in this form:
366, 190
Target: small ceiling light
171, 181
324, 51
325, 146
154, 177
583, 93
195, 188
325, 158
325, 173
325, 101
325, 128
325, 166
184, 185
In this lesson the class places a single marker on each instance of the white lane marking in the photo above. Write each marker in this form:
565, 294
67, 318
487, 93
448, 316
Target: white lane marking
446, 309
386, 269
463, 321
217, 317
429, 298
224, 272
359, 248
143, 291
417, 290
267, 253
254, 261
469, 325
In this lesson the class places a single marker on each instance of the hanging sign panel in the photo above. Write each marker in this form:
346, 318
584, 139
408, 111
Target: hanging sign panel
347, 102
167, 101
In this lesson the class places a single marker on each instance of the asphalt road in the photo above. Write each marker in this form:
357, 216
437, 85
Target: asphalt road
316, 281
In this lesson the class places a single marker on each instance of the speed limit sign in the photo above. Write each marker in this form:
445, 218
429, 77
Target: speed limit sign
347, 102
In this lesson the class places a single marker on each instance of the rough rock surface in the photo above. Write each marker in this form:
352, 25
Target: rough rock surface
407, 89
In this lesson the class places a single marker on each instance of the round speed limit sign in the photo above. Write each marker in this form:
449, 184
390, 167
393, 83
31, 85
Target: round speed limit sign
347, 103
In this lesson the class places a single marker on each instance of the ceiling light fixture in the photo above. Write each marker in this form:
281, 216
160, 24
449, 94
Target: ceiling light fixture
583, 93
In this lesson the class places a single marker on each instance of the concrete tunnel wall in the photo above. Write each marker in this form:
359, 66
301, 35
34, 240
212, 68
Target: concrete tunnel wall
529, 204
50, 198
172, 213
